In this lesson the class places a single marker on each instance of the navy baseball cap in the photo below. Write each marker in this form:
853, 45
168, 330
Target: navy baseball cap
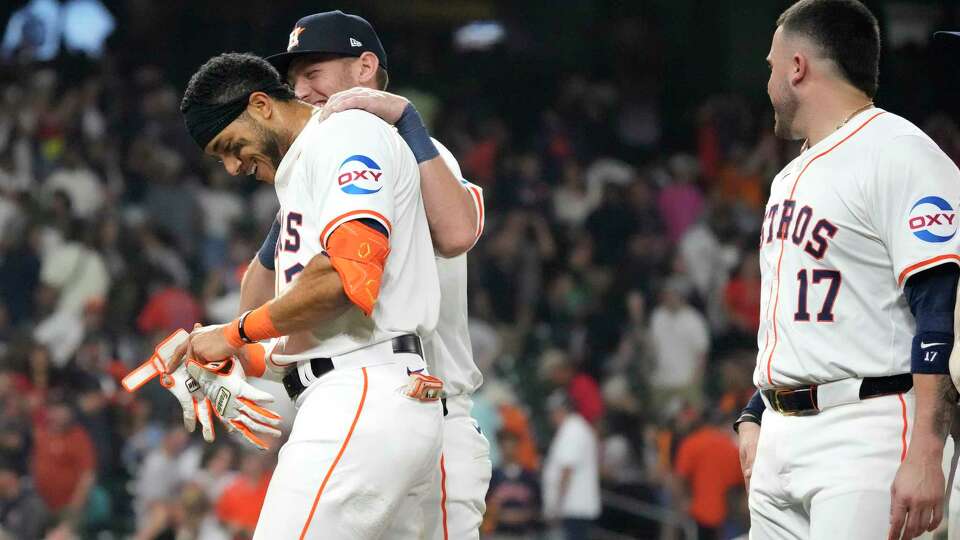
330, 32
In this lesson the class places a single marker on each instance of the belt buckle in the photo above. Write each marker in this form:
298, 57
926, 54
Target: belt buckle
778, 405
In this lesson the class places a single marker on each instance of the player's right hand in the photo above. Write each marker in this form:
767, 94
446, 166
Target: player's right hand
917, 495
239, 405
389, 107
748, 434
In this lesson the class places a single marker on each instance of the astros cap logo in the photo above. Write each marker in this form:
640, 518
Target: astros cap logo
295, 37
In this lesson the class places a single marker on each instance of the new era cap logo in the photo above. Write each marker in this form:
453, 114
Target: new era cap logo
355, 43
294, 37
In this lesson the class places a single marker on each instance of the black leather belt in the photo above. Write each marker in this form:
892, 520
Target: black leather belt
802, 401
407, 343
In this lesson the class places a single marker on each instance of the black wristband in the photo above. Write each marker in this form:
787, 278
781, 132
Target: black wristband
414, 133
240, 330
745, 416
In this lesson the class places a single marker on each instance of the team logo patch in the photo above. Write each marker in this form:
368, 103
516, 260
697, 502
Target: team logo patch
932, 219
359, 175
192, 384
294, 37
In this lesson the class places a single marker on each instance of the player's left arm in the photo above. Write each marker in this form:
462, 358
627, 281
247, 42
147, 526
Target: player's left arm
453, 206
918, 488
355, 240
912, 205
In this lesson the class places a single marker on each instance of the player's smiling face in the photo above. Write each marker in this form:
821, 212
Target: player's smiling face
247, 148
315, 78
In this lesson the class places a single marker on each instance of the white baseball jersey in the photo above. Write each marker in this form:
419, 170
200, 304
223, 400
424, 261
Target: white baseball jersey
455, 504
449, 353
848, 221
355, 166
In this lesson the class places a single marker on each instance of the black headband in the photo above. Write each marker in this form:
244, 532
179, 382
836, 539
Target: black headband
206, 120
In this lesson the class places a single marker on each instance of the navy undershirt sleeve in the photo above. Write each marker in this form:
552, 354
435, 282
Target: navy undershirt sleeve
269, 246
932, 295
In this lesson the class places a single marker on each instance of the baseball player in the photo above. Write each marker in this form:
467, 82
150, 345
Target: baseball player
356, 287
328, 54
859, 248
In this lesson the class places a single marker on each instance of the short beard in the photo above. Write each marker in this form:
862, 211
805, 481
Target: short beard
271, 145
269, 142
785, 114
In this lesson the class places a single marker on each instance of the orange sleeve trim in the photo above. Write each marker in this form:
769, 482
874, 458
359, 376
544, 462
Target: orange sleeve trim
923, 264
253, 359
903, 435
478, 201
334, 223
359, 254
336, 460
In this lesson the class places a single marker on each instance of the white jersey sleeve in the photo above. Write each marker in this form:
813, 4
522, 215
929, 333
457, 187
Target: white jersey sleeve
915, 199
355, 176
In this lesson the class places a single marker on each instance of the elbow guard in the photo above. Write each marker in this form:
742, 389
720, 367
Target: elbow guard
359, 254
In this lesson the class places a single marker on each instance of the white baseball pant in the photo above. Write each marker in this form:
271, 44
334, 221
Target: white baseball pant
361, 454
829, 475
454, 507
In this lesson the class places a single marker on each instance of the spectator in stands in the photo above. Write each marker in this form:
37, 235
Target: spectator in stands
72, 272
23, 515
78, 181
611, 224
707, 469
742, 298
513, 499
681, 340
169, 307
216, 469
583, 390
163, 471
571, 478
681, 201
186, 516
221, 206
64, 460
572, 201
239, 504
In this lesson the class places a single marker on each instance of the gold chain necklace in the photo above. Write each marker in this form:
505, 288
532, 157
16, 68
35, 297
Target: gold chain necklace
854, 113
806, 143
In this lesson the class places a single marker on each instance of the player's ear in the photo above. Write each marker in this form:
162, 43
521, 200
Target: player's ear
368, 64
798, 68
260, 106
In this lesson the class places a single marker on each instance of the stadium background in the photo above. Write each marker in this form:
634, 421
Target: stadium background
624, 149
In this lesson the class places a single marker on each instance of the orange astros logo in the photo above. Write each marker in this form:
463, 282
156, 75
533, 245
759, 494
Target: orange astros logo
295, 37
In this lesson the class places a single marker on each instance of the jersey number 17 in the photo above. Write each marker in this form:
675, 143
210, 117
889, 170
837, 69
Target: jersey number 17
826, 310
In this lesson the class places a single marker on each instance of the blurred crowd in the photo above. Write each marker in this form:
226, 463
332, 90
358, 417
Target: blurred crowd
614, 304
